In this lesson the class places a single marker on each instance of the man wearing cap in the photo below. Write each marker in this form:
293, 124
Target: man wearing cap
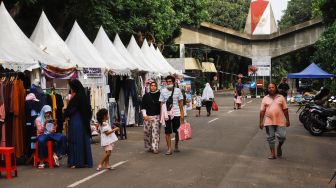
283, 88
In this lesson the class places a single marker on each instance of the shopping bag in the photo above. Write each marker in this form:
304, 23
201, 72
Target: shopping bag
185, 132
214, 106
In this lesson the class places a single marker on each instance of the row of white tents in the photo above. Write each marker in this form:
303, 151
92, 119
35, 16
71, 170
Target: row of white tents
45, 46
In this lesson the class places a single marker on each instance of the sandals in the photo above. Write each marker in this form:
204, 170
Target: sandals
271, 157
110, 168
99, 168
56, 160
150, 150
41, 166
168, 153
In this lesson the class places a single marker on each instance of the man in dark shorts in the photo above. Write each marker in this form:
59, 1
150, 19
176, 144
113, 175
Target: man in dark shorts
175, 114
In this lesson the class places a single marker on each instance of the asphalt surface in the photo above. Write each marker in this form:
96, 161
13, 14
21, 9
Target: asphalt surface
227, 150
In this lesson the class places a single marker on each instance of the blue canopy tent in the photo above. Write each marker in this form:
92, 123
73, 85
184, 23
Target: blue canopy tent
312, 71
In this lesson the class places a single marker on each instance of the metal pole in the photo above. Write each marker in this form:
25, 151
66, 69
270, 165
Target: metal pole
263, 85
256, 85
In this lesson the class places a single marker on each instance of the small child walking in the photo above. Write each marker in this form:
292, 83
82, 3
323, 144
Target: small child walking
198, 103
107, 138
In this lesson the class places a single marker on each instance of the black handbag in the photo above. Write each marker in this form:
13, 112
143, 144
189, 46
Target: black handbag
169, 102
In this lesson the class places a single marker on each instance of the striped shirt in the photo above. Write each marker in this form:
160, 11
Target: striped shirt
165, 94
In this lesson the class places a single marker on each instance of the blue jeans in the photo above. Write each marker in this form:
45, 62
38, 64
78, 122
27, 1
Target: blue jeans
58, 138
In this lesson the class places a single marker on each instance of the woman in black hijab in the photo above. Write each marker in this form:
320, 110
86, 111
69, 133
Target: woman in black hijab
79, 112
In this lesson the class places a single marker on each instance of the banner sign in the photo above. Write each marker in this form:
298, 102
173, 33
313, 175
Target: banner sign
263, 65
263, 70
92, 72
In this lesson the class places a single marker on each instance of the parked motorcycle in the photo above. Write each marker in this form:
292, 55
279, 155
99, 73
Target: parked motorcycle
309, 103
322, 120
304, 115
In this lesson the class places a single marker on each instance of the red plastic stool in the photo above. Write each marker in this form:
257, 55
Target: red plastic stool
7, 152
49, 159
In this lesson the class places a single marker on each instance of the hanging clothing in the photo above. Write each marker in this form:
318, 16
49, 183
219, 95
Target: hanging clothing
2, 105
130, 91
54, 106
59, 113
113, 112
122, 99
19, 95
2, 116
130, 113
48, 100
32, 107
9, 114
38, 92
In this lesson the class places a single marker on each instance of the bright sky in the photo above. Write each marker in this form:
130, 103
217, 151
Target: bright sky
278, 6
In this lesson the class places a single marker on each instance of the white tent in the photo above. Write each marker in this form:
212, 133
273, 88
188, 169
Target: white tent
127, 56
168, 65
108, 52
16, 50
162, 60
81, 46
50, 42
136, 53
152, 59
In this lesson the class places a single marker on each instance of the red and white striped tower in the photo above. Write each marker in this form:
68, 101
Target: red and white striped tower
260, 20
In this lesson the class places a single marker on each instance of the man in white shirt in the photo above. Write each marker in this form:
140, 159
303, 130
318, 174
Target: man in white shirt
176, 113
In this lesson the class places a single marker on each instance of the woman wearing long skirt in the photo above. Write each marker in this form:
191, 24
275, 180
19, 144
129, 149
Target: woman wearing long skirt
79, 132
208, 97
151, 113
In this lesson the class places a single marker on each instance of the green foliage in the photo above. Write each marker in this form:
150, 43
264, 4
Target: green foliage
298, 11
316, 10
328, 8
228, 13
157, 20
294, 62
325, 54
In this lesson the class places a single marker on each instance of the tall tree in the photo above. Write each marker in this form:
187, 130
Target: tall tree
228, 13
325, 54
298, 11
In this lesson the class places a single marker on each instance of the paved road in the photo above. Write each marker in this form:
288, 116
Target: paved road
227, 150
